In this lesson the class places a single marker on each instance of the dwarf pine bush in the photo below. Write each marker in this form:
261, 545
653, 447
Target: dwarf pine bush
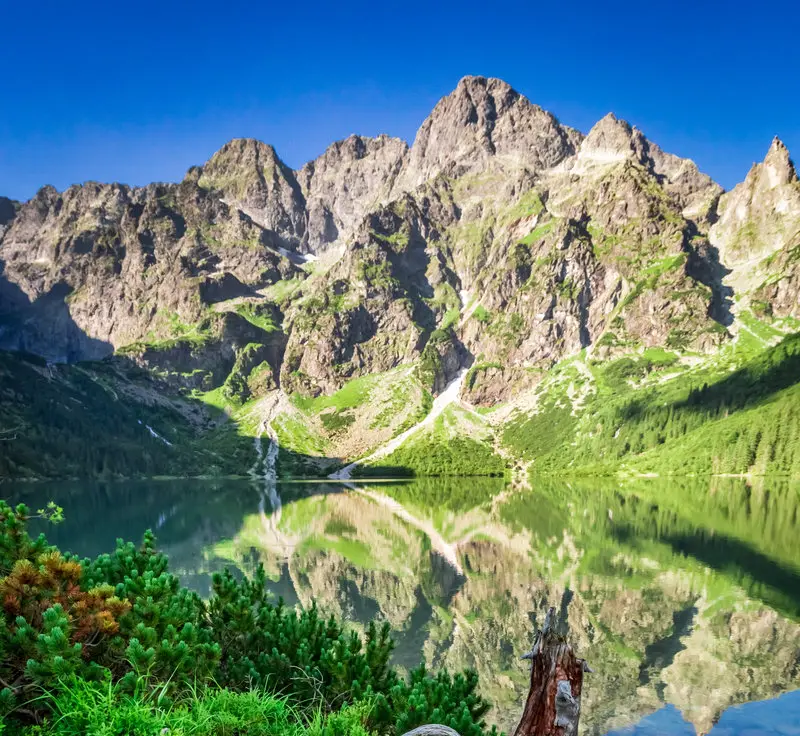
118, 640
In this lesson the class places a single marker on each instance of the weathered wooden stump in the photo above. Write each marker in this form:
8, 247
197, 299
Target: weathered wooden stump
553, 707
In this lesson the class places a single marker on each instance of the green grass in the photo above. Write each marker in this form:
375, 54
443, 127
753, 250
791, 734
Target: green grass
352, 550
763, 331
282, 291
442, 451
664, 265
336, 421
215, 398
258, 316
398, 240
101, 709
539, 232
450, 318
297, 435
353, 394
402, 395
527, 205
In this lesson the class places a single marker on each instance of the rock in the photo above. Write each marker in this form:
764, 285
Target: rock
248, 174
344, 183
103, 266
485, 122
757, 235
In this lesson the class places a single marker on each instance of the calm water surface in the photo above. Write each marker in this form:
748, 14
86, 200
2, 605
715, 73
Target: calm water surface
684, 596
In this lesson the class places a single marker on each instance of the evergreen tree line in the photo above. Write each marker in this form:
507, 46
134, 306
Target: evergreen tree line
70, 422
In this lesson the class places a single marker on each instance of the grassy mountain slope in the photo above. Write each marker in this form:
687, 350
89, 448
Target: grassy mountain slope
651, 412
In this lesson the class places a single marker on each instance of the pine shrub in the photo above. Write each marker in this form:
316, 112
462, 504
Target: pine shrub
117, 645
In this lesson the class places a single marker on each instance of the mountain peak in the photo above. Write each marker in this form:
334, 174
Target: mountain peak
249, 174
493, 85
611, 139
484, 120
244, 151
778, 164
777, 145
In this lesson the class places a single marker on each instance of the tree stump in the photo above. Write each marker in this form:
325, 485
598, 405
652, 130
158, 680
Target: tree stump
553, 707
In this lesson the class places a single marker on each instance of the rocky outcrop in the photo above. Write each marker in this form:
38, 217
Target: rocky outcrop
99, 267
248, 174
488, 384
612, 141
344, 183
226, 347
485, 123
757, 235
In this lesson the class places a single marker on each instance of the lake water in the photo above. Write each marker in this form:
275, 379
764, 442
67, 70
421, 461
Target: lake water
684, 596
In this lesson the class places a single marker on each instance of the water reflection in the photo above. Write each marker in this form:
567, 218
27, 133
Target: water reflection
684, 596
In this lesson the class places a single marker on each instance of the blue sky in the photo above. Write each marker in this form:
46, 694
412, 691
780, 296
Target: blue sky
139, 92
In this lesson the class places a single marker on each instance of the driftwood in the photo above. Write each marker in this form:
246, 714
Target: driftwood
553, 707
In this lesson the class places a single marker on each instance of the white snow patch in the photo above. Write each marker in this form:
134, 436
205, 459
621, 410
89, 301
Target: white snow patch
297, 258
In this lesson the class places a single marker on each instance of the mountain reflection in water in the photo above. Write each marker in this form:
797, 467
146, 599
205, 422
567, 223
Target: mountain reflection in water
685, 594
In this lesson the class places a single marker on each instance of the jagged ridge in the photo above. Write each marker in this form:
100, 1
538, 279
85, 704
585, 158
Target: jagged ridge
500, 239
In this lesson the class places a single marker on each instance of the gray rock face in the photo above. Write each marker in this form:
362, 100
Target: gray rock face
249, 175
207, 363
501, 237
344, 183
612, 141
757, 236
485, 122
102, 266
757, 217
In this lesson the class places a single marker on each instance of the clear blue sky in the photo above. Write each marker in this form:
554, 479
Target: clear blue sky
138, 92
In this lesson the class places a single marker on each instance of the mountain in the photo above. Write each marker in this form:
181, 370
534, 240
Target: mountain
335, 302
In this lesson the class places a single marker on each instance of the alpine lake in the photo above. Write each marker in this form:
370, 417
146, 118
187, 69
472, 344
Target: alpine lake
682, 594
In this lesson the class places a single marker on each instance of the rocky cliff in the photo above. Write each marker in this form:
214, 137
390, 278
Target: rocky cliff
500, 239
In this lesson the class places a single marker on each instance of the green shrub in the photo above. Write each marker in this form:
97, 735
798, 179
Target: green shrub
295, 653
450, 701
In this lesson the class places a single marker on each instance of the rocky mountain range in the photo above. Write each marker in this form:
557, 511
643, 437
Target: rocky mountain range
502, 241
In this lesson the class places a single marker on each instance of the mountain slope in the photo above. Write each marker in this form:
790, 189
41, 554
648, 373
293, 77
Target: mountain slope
500, 241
